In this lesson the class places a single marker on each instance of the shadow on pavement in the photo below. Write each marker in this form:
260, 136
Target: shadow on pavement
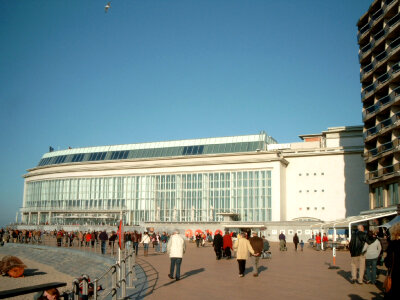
345, 275
356, 297
32, 272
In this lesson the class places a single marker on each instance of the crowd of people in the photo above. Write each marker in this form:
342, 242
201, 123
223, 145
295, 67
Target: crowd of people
366, 249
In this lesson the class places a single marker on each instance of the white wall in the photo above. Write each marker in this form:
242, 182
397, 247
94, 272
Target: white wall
325, 190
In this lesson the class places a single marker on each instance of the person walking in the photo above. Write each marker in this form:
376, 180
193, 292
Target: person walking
318, 241
103, 240
357, 252
135, 241
257, 244
145, 241
176, 248
295, 241
227, 245
242, 247
371, 257
282, 241
392, 262
164, 240
325, 241
218, 244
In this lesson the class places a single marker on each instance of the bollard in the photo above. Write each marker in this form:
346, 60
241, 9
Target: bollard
76, 289
85, 288
123, 279
95, 289
114, 283
129, 278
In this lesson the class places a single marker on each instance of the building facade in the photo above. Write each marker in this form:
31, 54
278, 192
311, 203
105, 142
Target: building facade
379, 56
250, 178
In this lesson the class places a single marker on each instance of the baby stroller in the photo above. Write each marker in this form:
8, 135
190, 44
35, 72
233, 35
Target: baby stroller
282, 245
266, 254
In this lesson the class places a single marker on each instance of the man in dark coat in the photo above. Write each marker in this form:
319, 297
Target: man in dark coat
357, 252
218, 243
257, 244
103, 238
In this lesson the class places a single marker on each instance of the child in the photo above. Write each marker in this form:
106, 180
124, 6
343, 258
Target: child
302, 245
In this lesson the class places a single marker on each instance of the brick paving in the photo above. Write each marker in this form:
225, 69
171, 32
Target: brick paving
288, 275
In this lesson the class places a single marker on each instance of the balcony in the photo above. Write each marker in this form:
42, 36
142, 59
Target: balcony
385, 124
378, 36
375, 17
382, 150
380, 80
383, 173
380, 57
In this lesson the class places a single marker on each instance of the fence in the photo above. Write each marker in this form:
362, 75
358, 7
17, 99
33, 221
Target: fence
121, 275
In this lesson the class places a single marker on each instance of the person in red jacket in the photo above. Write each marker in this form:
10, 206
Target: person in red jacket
227, 245
325, 241
318, 241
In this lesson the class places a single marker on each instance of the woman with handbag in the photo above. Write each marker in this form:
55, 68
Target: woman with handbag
392, 262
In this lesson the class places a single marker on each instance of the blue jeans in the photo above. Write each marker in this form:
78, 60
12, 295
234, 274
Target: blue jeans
136, 247
370, 265
177, 261
103, 247
158, 247
164, 247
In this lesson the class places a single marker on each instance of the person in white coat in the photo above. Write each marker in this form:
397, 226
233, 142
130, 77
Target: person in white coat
176, 248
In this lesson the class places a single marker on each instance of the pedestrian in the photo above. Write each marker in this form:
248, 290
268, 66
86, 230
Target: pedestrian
157, 243
242, 247
257, 244
164, 240
301, 245
318, 241
392, 262
357, 252
176, 248
103, 238
218, 244
135, 241
282, 242
145, 241
371, 257
198, 239
295, 241
227, 245
325, 241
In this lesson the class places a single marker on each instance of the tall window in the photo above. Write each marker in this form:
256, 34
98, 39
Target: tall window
378, 197
393, 193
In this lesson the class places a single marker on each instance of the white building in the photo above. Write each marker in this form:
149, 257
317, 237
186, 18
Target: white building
192, 183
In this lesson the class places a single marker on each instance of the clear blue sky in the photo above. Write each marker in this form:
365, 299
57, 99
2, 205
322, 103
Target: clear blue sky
155, 70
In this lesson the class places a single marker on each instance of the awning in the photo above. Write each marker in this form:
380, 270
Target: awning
347, 222
392, 222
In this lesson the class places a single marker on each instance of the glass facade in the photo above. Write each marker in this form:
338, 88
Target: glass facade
190, 197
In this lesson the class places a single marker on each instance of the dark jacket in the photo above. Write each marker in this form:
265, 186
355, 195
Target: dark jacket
357, 243
296, 239
257, 244
218, 241
103, 236
393, 252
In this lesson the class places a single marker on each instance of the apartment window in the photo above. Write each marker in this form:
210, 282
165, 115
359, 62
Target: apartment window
300, 191
299, 174
322, 174
393, 194
378, 195
308, 208
322, 190
307, 174
323, 208
315, 174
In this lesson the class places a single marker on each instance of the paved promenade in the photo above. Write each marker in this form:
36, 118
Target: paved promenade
288, 275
